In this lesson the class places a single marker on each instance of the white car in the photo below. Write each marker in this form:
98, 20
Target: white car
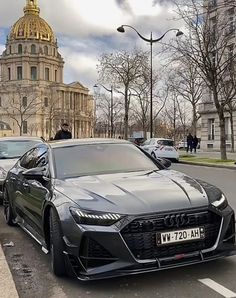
160, 147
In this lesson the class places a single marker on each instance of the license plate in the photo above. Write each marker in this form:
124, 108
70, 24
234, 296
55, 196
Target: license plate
179, 236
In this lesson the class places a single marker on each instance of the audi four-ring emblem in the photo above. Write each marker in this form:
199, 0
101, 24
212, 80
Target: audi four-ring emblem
176, 220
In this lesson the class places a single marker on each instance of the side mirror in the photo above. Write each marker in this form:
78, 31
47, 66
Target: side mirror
165, 162
34, 174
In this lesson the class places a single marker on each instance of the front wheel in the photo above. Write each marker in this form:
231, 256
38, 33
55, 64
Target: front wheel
8, 212
56, 246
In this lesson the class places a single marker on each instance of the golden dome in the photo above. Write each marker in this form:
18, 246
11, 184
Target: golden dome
31, 26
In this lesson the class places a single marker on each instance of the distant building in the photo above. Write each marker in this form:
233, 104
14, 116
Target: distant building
210, 130
33, 98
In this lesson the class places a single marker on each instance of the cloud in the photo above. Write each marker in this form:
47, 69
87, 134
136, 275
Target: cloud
87, 28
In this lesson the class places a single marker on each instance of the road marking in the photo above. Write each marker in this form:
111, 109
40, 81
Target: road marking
218, 288
7, 285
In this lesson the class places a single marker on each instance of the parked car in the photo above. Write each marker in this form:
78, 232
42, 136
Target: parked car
183, 144
137, 141
105, 208
162, 148
11, 149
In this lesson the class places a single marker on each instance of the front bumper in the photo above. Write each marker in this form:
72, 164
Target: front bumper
97, 252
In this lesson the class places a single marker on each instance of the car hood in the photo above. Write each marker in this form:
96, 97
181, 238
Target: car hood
7, 164
134, 193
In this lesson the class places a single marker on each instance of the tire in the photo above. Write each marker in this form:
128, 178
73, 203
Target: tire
8, 213
56, 246
153, 154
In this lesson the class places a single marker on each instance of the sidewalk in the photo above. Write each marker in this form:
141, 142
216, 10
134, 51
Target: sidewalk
208, 158
7, 285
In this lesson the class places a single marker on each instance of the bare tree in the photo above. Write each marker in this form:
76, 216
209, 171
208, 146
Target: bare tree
104, 110
21, 104
207, 45
123, 70
187, 82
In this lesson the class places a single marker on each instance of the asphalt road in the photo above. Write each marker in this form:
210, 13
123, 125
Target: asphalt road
31, 267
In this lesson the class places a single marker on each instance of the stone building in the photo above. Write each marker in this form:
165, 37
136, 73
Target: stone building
210, 130
33, 98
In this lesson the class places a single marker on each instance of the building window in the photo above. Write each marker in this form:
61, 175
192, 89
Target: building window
19, 72
47, 126
0, 101
45, 102
55, 75
46, 50
227, 128
9, 73
33, 49
24, 127
47, 74
10, 49
211, 129
20, 49
24, 101
33, 70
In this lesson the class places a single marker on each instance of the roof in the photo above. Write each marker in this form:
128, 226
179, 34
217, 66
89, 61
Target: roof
23, 138
88, 141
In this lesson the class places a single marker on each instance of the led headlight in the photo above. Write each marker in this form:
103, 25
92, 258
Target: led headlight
221, 203
94, 218
3, 174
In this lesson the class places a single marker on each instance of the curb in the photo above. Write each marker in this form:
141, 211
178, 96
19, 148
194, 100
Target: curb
208, 165
7, 285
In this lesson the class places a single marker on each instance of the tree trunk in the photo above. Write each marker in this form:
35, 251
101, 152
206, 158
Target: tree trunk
232, 131
194, 123
222, 135
126, 119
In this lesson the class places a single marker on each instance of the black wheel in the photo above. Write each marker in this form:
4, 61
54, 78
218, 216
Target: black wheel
56, 246
153, 154
8, 213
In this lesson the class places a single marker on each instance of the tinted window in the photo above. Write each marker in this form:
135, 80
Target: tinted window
100, 159
15, 149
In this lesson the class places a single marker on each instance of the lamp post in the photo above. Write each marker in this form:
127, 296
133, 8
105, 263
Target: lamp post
111, 111
151, 41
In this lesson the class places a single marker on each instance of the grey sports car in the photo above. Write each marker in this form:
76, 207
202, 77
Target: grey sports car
105, 208
11, 149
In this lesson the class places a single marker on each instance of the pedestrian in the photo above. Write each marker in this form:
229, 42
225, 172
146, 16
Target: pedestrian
195, 143
189, 143
63, 133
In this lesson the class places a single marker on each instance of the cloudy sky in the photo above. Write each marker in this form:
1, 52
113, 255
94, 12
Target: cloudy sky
87, 28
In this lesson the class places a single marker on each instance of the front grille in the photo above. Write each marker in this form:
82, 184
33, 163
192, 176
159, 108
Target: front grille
140, 235
92, 254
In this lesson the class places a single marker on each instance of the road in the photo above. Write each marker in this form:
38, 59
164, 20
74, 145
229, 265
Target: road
31, 267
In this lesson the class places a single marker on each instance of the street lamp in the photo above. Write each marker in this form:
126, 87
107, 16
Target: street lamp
151, 41
111, 116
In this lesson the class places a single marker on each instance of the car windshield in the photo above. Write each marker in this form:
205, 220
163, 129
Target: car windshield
95, 159
166, 143
15, 148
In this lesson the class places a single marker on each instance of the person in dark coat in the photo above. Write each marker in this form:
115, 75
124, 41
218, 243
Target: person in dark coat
189, 143
195, 143
64, 133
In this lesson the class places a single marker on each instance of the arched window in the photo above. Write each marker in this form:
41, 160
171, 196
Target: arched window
20, 49
33, 49
46, 50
